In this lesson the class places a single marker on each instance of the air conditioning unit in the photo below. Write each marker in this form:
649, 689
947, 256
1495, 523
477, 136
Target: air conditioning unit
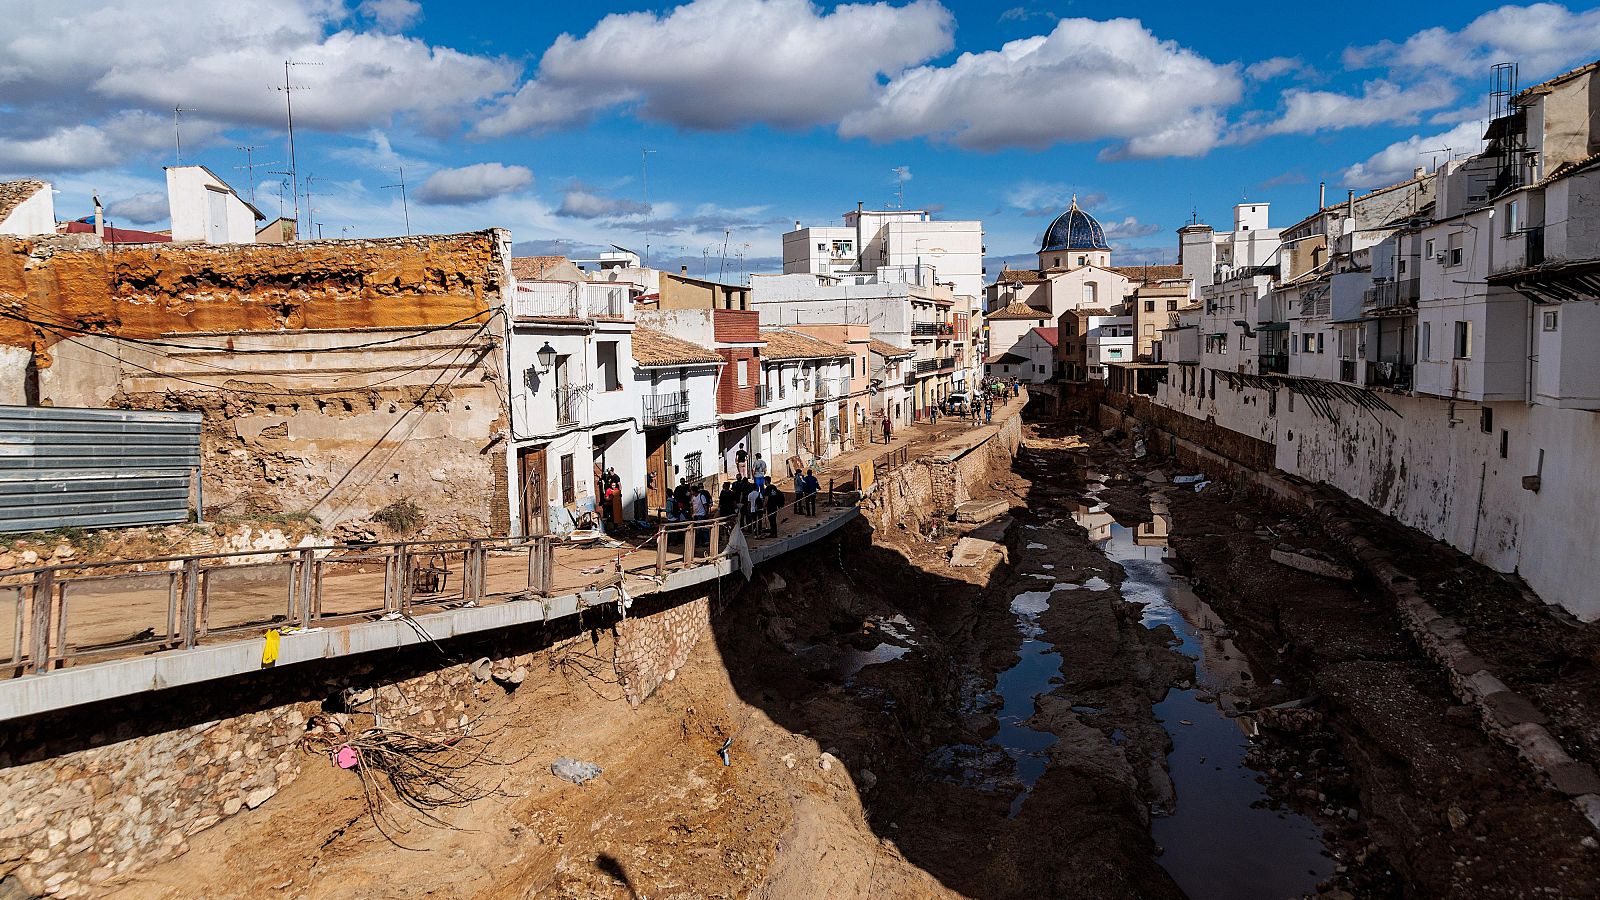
1439, 257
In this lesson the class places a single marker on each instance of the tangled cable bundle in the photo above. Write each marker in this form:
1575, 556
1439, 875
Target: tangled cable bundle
425, 774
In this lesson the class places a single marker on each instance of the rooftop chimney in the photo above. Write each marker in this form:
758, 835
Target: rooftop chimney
1322, 195
1417, 172
683, 270
99, 219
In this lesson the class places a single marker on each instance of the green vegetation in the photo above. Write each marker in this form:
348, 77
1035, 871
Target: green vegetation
402, 516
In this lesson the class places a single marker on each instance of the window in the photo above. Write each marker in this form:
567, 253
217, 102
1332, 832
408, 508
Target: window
1082, 260
569, 487
1427, 248
1513, 218
1453, 253
1149, 306
1551, 322
691, 466
1505, 443
1172, 305
1427, 340
744, 373
1091, 293
1402, 267
1320, 336
783, 385
606, 360
1486, 420
1114, 353
1463, 344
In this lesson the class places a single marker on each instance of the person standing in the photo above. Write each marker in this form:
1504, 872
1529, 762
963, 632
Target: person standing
699, 510
772, 502
752, 503
988, 411
809, 488
727, 501
739, 461
886, 428
760, 470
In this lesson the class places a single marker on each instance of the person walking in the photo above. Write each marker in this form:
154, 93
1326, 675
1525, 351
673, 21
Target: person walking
699, 510
760, 470
809, 488
772, 502
988, 411
886, 428
739, 459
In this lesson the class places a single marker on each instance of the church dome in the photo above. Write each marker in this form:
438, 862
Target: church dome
1074, 230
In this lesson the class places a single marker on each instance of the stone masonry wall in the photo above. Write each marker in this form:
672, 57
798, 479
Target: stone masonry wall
651, 649
909, 494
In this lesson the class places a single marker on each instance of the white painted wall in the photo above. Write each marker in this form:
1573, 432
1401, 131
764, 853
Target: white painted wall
205, 208
33, 216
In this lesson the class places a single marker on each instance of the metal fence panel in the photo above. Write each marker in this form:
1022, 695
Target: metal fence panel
95, 468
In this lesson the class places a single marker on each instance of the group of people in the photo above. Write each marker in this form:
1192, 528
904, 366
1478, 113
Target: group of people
755, 502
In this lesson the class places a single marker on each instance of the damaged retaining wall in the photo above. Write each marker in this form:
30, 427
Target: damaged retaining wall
1453, 470
941, 480
334, 377
92, 793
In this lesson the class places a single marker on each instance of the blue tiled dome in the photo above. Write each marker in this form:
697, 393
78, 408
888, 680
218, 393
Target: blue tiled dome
1074, 230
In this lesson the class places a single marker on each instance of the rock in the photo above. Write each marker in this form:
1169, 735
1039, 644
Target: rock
789, 760
510, 678
63, 551
259, 796
568, 769
1457, 817
29, 557
80, 828
867, 780
826, 761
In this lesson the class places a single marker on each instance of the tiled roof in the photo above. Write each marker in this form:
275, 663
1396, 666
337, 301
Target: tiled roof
1146, 274
1007, 358
12, 193
794, 345
1020, 276
657, 348
1048, 335
886, 349
1018, 310
531, 268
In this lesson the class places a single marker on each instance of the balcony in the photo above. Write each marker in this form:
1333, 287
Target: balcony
1270, 363
1392, 297
947, 362
824, 389
569, 404
1390, 374
666, 409
923, 366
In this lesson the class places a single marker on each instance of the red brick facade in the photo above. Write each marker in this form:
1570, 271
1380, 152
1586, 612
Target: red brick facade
731, 398
736, 326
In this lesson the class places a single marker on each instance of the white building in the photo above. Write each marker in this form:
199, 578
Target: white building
1208, 256
890, 373
677, 387
575, 401
27, 208
897, 239
205, 208
1109, 340
803, 381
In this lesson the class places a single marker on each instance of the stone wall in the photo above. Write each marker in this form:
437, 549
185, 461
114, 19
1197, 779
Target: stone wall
934, 484
80, 805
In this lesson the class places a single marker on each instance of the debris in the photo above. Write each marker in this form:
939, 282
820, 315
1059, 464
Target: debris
1201, 485
723, 751
1304, 563
346, 757
979, 511
482, 669
1188, 479
969, 552
789, 761
509, 678
269, 648
825, 761
568, 769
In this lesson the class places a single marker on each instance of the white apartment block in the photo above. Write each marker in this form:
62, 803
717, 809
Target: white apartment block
885, 245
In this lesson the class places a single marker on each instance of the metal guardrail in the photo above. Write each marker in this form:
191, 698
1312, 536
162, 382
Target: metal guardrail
666, 409
68, 613
569, 404
1392, 295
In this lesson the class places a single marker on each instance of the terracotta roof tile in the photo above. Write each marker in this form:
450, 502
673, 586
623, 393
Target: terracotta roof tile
1048, 335
1018, 310
531, 268
886, 349
1147, 274
794, 345
657, 348
12, 193
1020, 276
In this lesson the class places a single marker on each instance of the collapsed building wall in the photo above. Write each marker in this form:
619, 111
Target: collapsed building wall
335, 377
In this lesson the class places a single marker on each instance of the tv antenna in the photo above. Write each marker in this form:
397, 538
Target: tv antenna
404, 204
723, 265
1448, 152
250, 166
644, 157
177, 133
311, 211
288, 90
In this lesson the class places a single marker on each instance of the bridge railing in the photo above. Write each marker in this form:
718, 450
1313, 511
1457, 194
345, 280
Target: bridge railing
56, 615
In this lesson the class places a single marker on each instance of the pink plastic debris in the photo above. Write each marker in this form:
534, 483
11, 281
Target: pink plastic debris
346, 757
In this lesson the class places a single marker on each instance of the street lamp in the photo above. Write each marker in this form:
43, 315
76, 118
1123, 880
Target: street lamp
547, 356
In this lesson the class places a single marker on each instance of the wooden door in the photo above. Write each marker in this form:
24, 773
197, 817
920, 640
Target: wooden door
658, 462
531, 485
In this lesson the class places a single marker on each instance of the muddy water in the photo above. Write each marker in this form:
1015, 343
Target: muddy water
1221, 839
1018, 686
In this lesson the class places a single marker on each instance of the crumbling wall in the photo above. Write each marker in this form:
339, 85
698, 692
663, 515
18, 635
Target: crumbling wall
335, 377
934, 485
651, 649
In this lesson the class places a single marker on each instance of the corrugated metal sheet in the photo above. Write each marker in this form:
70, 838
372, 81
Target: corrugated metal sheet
95, 468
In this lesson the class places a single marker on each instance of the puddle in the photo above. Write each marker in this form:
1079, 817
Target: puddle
852, 661
1035, 545
1221, 839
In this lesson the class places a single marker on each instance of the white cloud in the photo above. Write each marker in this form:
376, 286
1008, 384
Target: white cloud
470, 184
394, 15
77, 63
1400, 159
1276, 67
718, 64
582, 203
1380, 103
902, 174
141, 209
1036, 198
1543, 38
1129, 227
1085, 81
1397, 161
77, 148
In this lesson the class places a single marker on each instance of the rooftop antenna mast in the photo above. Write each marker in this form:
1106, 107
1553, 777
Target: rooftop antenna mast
250, 166
722, 266
177, 133
644, 158
288, 90
311, 211
404, 205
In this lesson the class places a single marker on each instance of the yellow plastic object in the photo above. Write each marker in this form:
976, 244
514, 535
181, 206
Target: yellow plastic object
269, 648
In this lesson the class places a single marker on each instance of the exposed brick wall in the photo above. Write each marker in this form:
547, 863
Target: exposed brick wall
736, 326
731, 398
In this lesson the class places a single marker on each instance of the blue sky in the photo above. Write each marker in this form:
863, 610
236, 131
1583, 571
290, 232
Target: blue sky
532, 116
